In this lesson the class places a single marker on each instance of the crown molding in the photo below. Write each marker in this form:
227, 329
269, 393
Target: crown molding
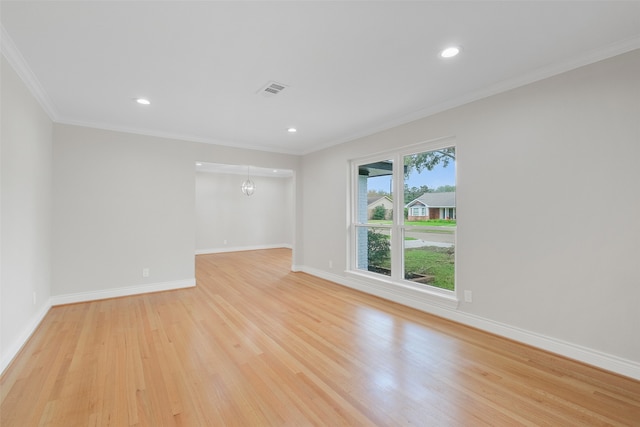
600, 54
19, 64
17, 61
174, 136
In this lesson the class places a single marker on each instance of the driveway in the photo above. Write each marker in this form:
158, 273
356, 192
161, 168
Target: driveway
441, 240
426, 238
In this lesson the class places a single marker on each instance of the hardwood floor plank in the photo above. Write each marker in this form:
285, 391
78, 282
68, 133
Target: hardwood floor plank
254, 344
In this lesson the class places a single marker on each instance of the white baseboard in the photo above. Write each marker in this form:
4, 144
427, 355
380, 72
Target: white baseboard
602, 360
122, 292
13, 349
241, 248
570, 350
586, 355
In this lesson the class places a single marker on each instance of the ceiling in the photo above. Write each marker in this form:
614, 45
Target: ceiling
350, 68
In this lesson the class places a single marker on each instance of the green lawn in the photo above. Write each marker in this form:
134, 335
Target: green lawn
434, 222
430, 261
428, 223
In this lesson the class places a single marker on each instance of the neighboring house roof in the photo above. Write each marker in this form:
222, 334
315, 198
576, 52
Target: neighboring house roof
375, 199
436, 200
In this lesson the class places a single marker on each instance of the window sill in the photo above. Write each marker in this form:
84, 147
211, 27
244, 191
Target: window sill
405, 293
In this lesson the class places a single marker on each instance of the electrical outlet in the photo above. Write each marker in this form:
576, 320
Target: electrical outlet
468, 296
145, 272
225, 241
330, 264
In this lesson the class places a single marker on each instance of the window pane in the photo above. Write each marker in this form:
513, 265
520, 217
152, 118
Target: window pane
375, 204
430, 186
429, 256
430, 218
374, 249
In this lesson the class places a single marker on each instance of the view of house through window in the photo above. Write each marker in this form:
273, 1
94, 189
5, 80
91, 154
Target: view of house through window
405, 217
374, 217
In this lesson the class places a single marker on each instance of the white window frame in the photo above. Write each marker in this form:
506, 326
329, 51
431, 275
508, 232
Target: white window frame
421, 210
397, 228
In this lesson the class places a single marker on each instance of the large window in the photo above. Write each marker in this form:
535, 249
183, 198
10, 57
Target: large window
415, 243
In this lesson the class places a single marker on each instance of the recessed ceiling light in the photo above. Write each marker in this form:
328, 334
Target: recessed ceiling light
275, 171
198, 164
450, 52
143, 101
292, 130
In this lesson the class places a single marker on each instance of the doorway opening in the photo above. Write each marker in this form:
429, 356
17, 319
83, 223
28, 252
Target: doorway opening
228, 220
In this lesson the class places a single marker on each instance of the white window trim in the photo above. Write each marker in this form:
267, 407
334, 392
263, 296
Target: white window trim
421, 210
396, 281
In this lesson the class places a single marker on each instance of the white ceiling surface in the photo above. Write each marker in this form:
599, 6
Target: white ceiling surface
352, 67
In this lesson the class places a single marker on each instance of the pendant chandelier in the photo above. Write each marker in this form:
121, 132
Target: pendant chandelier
248, 187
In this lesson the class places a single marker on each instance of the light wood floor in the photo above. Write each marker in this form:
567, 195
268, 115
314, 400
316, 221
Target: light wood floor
254, 344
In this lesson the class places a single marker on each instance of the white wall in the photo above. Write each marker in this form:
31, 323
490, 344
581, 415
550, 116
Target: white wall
224, 213
124, 202
544, 266
25, 225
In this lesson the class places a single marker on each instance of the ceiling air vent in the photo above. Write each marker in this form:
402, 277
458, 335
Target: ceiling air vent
272, 89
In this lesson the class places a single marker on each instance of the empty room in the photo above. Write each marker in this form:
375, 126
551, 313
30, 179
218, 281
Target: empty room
327, 213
